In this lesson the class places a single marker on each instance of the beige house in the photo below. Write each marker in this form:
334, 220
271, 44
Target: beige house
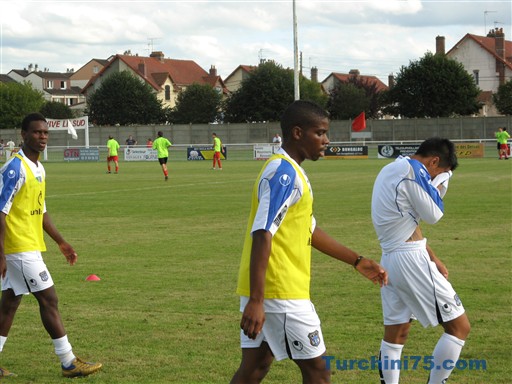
81, 77
168, 77
487, 58
235, 78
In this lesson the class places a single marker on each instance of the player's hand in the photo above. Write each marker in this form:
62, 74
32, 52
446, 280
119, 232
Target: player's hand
68, 252
253, 318
372, 271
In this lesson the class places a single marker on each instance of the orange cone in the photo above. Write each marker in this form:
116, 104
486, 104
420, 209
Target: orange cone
92, 278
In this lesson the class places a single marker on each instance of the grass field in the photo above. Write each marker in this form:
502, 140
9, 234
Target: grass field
167, 253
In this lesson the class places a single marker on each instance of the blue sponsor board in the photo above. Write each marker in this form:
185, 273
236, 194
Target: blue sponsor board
390, 151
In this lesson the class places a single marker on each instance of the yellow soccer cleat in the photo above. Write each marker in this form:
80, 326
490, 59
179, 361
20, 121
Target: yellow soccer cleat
80, 368
6, 373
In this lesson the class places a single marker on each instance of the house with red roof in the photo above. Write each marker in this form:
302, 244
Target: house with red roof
336, 78
167, 77
487, 58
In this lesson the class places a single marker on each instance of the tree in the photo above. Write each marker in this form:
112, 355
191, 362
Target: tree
263, 96
56, 110
266, 93
16, 101
346, 101
503, 98
198, 104
312, 91
123, 99
434, 86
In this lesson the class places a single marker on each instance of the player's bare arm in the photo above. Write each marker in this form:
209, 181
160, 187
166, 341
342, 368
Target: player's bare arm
253, 316
439, 264
367, 267
3, 265
65, 248
418, 235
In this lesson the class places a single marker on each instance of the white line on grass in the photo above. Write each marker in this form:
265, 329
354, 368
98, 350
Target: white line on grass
144, 188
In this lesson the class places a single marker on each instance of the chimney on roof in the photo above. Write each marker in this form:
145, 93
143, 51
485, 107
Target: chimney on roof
213, 71
36, 67
30, 67
499, 38
159, 55
314, 74
142, 68
354, 72
499, 46
391, 80
440, 45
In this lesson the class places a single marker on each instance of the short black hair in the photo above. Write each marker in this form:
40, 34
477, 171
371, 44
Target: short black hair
442, 148
160, 133
36, 116
301, 113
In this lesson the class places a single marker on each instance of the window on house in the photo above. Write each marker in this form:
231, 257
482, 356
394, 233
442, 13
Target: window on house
476, 76
49, 84
167, 92
95, 69
62, 85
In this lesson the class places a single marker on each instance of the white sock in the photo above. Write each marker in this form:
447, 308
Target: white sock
390, 370
64, 350
3, 339
446, 352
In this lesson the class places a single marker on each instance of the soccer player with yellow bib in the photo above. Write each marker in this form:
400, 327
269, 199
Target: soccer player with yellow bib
23, 218
278, 319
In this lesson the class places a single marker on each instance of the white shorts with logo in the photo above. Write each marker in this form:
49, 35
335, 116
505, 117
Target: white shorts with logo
26, 272
416, 289
294, 333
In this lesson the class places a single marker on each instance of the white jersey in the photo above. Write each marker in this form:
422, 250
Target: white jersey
402, 196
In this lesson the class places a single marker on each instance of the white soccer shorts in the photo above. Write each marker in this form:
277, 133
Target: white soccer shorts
26, 272
416, 289
295, 335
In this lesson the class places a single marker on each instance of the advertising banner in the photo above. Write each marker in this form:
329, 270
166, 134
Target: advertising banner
469, 150
389, 151
82, 154
264, 151
346, 152
140, 154
204, 153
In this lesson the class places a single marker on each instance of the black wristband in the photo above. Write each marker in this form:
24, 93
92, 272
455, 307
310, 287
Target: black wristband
358, 260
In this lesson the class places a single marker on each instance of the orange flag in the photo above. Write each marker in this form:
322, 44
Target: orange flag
359, 123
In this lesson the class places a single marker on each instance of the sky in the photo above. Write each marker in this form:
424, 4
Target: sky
377, 37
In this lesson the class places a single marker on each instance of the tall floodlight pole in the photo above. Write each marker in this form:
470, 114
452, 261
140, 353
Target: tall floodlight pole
295, 57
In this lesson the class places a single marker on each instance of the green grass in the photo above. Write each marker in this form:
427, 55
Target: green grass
167, 254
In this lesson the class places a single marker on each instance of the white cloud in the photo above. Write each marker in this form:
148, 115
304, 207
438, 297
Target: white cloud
375, 36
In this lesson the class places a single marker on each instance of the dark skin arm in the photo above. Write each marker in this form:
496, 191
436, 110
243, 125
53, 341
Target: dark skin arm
253, 316
366, 267
3, 265
65, 248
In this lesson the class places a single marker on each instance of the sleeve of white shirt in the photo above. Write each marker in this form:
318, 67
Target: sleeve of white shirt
278, 189
441, 182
